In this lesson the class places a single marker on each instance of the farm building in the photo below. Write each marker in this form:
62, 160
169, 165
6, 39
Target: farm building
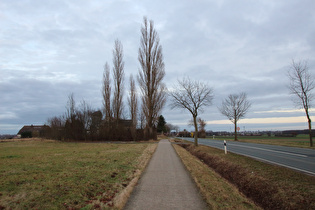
29, 131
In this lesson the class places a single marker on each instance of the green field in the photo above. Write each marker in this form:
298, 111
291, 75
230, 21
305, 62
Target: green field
54, 175
298, 141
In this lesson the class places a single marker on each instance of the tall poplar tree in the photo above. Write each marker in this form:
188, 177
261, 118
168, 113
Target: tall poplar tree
118, 74
150, 76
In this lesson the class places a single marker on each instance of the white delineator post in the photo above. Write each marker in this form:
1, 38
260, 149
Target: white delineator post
225, 151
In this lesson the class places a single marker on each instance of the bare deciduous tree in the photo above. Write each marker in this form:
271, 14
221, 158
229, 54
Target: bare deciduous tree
133, 105
234, 108
151, 74
85, 115
70, 108
202, 124
193, 96
106, 92
56, 127
74, 127
302, 85
118, 73
170, 127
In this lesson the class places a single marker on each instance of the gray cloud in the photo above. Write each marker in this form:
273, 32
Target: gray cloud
52, 48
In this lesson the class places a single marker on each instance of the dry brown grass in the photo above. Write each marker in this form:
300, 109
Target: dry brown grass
218, 193
25, 140
39, 174
121, 199
269, 186
299, 141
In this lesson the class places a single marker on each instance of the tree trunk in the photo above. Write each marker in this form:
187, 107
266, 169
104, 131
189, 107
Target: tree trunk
310, 131
196, 131
235, 131
150, 133
309, 126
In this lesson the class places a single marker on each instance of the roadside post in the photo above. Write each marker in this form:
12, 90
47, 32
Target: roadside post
225, 151
213, 136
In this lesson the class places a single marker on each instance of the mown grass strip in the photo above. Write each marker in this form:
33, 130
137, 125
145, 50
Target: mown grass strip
269, 186
218, 193
55, 175
298, 141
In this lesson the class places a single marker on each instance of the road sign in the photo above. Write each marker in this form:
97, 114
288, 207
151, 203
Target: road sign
238, 129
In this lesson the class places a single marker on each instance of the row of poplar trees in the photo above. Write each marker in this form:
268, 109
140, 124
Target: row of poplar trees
150, 76
109, 123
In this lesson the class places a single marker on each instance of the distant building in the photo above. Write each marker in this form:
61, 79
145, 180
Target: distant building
29, 131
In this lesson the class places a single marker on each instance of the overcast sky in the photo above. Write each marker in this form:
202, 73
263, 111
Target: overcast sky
51, 48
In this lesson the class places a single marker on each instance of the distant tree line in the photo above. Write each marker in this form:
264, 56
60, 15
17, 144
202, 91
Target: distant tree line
84, 123
144, 122
110, 123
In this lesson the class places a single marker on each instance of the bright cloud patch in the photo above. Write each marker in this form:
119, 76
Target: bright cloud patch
269, 120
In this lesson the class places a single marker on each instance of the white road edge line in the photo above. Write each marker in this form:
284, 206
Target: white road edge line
268, 161
275, 163
279, 164
288, 153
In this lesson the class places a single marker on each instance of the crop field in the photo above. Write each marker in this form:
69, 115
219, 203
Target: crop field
40, 174
298, 141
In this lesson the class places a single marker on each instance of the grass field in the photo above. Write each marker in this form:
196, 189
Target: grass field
53, 175
272, 187
299, 141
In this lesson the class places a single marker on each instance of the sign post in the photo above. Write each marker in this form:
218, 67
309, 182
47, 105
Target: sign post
225, 151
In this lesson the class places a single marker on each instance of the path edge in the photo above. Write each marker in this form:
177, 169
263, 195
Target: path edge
121, 199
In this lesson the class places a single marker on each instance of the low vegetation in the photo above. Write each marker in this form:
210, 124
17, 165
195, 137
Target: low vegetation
298, 141
54, 175
269, 186
218, 193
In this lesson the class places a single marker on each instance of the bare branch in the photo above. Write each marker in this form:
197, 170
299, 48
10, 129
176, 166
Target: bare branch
235, 107
151, 74
106, 92
302, 86
118, 73
71, 108
192, 96
133, 102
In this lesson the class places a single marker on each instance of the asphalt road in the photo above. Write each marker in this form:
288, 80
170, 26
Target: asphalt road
295, 158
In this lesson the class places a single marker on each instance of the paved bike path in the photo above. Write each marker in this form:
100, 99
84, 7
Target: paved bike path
165, 184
